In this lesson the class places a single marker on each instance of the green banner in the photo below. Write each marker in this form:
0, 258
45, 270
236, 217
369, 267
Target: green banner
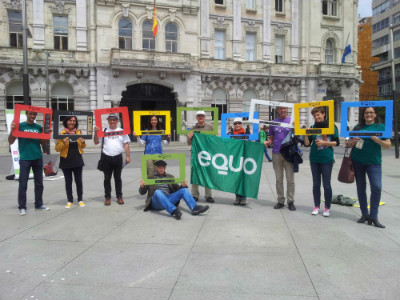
227, 165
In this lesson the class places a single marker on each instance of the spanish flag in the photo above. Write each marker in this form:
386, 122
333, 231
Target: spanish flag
155, 23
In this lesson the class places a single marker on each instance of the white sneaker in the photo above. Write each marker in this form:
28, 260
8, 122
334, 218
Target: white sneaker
22, 212
326, 212
315, 211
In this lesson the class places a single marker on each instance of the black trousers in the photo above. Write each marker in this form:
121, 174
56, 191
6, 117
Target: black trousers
68, 182
112, 165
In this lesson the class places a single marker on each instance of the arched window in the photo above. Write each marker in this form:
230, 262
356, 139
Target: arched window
329, 52
14, 94
171, 38
125, 34
219, 100
62, 97
247, 96
149, 43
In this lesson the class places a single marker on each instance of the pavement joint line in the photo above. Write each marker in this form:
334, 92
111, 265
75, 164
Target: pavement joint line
190, 251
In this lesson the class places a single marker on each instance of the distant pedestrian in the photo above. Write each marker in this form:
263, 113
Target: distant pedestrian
263, 136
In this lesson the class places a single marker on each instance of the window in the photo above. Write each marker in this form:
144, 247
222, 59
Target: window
247, 96
149, 43
220, 2
250, 4
171, 38
219, 44
279, 48
380, 25
60, 27
329, 8
250, 47
381, 8
125, 34
219, 99
279, 5
61, 97
329, 52
14, 94
380, 42
396, 18
15, 28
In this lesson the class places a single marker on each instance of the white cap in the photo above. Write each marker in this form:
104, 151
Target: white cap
200, 112
237, 120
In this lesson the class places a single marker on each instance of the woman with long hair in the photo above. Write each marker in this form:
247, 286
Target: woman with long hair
367, 161
71, 161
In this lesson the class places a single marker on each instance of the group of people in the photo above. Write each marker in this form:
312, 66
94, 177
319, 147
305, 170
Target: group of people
366, 156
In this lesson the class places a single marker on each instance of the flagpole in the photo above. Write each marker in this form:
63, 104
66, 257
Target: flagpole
345, 45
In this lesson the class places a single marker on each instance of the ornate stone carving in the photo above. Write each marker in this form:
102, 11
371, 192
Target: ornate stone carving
115, 102
183, 76
61, 71
125, 9
16, 4
115, 73
149, 11
280, 29
348, 83
163, 75
60, 6
172, 14
86, 73
16, 71
139, 75
220, 23
78, 72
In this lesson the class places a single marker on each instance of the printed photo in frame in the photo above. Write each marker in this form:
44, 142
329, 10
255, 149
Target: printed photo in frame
140, 120
254, 119
47, 118
312, 131
254, 126
85, 121
213, 111
123, 121
388, 122
166, 157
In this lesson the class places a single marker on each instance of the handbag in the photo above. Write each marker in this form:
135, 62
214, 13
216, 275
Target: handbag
101, 160
346, 172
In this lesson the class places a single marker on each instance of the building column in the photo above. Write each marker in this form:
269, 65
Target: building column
295, 31
303, 99
237, 29
81, 25
93, 89
205, 28
266, 44
38, 24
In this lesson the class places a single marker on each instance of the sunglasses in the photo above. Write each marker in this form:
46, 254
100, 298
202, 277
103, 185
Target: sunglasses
237, 123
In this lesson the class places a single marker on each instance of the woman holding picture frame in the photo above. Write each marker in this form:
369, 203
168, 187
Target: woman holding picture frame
367, 161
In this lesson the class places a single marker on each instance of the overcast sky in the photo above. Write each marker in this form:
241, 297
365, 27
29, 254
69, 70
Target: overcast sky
364, 8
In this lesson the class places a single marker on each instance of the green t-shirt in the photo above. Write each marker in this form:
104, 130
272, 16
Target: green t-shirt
29, 149
370, 153
324, 154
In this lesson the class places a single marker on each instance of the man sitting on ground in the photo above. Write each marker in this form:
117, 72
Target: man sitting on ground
167, 196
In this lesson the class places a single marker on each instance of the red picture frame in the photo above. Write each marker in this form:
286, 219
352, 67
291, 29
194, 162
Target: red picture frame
47, 119
115, 110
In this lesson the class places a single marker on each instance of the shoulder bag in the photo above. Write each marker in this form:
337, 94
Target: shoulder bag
346, 172
101, 160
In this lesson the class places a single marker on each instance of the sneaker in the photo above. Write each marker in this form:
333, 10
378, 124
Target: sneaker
210, 200
81, 203
243, 202
291, 206
69, 205
326, 212
237, 201
42, 208
176, 213
22, 212
198, 209
279, 205
315, 211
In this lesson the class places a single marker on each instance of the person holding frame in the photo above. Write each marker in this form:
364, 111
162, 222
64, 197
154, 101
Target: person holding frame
113, 147
367, 160
153, 143
321, 160
30, 157
71, 161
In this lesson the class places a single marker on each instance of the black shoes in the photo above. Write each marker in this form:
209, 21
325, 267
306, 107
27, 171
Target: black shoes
279, 205
176, 213
210, 200
195, 199
376, 223
291, 206
363, 219
199, 209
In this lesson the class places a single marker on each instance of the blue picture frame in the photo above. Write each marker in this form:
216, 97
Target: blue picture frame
388, 104
250, 137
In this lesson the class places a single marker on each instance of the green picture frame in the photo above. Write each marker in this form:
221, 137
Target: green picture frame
170, 156
179, 111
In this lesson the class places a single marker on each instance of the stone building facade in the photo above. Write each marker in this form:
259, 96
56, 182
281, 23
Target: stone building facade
207, 53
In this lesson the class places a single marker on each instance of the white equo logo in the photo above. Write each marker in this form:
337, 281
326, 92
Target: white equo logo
227, 164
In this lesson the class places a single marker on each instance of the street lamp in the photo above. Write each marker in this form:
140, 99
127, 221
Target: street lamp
269, 67
25, 76
395, 116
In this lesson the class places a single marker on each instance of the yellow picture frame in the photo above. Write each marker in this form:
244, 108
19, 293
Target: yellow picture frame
138, 114
313, 131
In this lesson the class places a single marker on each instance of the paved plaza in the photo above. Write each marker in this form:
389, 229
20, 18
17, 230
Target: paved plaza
229, 253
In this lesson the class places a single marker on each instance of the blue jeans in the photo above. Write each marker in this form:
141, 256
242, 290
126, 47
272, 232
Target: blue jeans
266, 154
323, 170
160, 201
24, 169
374, 173
68, 182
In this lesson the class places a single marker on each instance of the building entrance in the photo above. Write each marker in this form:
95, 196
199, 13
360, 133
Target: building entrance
150, 96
